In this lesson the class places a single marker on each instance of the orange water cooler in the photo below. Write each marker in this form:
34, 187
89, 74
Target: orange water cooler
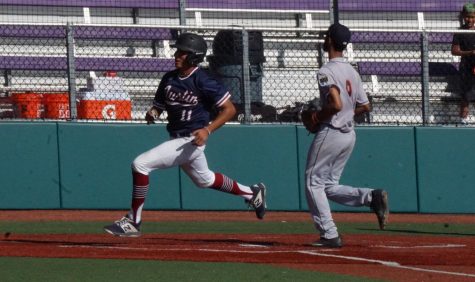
116, 108
28, 105
104, 98
56, 105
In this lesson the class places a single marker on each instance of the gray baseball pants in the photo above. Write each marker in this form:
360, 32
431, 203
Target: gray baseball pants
326, 159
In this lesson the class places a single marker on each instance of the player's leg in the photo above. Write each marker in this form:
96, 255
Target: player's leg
318, 167
343, 194
162, 156
464, 108
377, 199
467, 89
168, 154
198, 171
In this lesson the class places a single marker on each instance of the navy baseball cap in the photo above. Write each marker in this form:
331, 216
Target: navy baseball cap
339, 34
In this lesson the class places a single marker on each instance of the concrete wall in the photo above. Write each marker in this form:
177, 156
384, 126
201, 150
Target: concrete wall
87, 166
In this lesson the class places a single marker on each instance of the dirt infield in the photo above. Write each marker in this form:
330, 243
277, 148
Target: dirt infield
390, 257
81, 215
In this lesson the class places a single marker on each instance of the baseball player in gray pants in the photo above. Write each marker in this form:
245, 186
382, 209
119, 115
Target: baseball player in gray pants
341, 97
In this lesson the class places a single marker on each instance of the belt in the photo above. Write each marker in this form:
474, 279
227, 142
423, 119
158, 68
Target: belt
180, 134
346, 128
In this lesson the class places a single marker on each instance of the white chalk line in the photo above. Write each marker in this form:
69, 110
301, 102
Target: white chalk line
307, 252
253, 246
422, 247
387, 263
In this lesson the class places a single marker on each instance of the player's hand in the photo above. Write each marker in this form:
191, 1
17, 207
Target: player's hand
201, 136
151, 115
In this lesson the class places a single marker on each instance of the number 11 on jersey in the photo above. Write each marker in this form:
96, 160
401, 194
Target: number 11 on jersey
185, 115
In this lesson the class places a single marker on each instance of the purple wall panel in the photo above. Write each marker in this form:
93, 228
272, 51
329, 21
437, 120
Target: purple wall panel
261, 4
405, 68
398, 37
87, 32
88, 63
165, 4
402, 5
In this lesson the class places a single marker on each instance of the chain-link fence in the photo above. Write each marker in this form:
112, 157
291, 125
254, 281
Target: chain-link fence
103, 60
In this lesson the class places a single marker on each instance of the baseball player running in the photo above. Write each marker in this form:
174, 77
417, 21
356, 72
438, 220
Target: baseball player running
188, 94
342, 96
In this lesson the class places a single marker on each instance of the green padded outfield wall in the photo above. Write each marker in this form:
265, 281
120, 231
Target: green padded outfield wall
446, 167
96, 166
250, 154
87, 166
29, 169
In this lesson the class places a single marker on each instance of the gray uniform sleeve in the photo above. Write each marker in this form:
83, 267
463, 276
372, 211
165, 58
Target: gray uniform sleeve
325, 81
361, 97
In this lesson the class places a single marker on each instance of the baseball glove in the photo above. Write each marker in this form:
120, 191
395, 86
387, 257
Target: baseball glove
309, 117
310, 120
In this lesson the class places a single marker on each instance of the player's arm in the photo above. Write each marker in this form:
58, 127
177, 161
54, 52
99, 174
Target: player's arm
456, 51
158, 102
226, 112
333, 105
362, 108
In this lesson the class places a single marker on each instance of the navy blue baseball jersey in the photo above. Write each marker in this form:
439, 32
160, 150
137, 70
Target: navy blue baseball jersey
189, 100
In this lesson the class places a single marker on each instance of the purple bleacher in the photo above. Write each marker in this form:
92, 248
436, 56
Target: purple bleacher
157, 4
32, 63
87, 32
401, 5
138, 33
406, 68
398, 37
87, 63
32, 31
125, 64
261, 4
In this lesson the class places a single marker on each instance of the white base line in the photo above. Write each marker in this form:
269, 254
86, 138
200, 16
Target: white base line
387, 263
422, 247
312, 253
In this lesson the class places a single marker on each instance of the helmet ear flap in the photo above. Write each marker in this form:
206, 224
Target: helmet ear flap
194, 59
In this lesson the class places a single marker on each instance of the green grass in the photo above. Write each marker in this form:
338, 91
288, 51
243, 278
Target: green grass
29, 269
61, 227
43, 269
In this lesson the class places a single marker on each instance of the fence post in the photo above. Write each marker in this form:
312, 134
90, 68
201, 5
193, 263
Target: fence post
246, 82
334, 13
71, 69
7, 78
182, 12
425, 78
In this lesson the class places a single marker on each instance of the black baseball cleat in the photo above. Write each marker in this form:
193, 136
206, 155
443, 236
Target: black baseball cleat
258, 200
329, 243
379, 204
124, 227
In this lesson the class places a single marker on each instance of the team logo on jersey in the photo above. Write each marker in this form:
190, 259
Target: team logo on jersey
176, 97
322, 79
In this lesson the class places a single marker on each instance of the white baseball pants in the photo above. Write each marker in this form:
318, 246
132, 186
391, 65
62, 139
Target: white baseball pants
177, 152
